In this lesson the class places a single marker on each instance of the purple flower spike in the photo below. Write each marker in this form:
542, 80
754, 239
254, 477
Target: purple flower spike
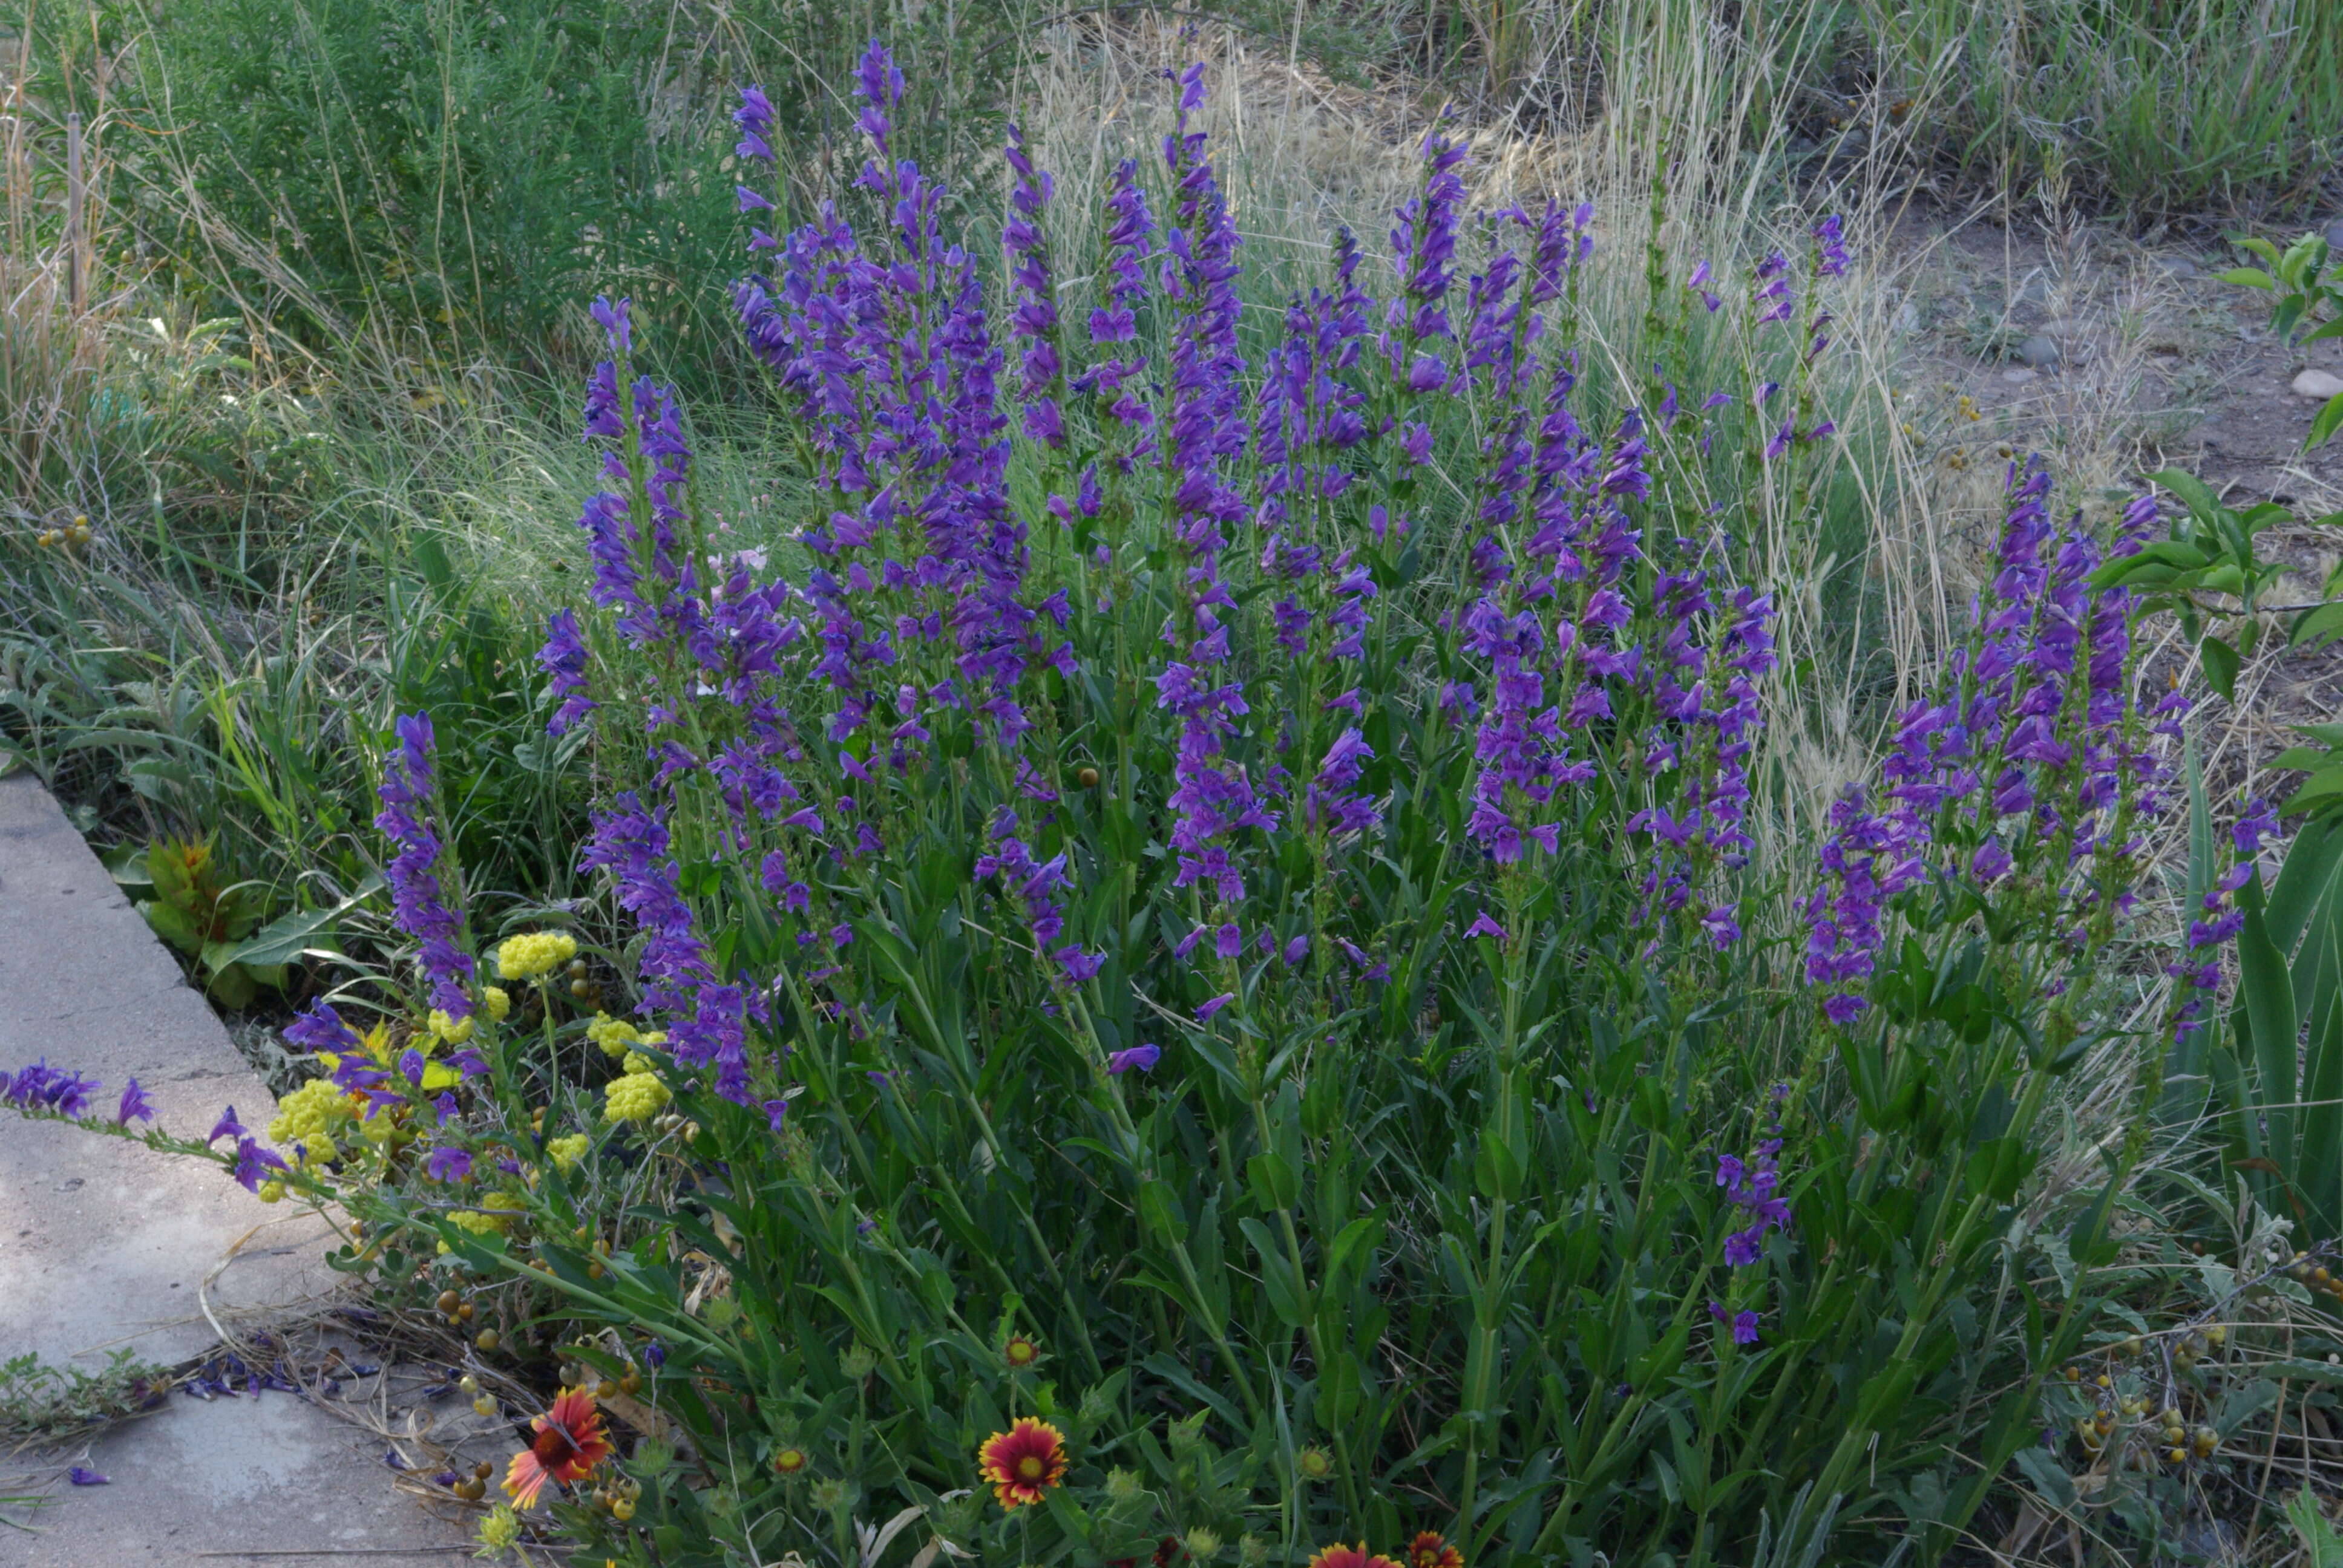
227, 1126
755, 119
135, 1105
613, 320
1830, 250
417, 897
563, 657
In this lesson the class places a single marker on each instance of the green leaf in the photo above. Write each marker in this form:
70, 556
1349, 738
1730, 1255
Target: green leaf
2329, 419
1159, 1210
2323, 787
2047, 1476
285, 939
2192, 491
2220, 666
2248, 277
2321, 1547
2267, 986
2319, 1163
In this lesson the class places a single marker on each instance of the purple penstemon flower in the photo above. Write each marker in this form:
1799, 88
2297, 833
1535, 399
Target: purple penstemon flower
1213, 801
1743, 1323
755, 119
418, 897
1755, 1188
59, 1092
708, 1019
1135, 1059
1025, 238
134, 1105
1424, 245
1830, 247
253, 1165
563, 659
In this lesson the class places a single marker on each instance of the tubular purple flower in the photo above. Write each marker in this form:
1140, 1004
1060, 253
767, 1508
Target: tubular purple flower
1136, 1058
253, 1165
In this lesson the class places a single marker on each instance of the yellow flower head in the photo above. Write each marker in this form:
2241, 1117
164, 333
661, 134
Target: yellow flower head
271, 1190
534, 953
454, 1030
637, 1062
614, 1035
504, 1205
565, 1152
498, 1001
311, 1152
637, 1097
316, 1106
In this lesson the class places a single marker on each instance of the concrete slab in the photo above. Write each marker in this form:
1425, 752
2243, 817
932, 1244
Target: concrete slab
104, 1244
269, 1482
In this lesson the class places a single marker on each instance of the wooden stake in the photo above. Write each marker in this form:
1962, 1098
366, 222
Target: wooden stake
73, 213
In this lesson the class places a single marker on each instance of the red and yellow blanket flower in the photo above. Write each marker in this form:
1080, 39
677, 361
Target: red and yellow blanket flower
1339, 1555
570, 1443
1430, 1549
1023, 1462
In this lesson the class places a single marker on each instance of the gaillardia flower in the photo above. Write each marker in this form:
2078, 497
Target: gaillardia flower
1019, 1352
1430, 1549
1339, 1555
1023, 1462
570, 1443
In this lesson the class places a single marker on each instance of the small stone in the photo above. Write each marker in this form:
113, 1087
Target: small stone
2017, 378
2317, 385
2176, 267
2040, 351
2335, 233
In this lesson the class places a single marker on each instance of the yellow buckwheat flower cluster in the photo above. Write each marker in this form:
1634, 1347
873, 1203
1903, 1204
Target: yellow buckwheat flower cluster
316, 1106
637, 1097
311, 1152
614, 1035
454, 1030
565, 1152
481, 1224
498, 1001
534, 953
637, 1062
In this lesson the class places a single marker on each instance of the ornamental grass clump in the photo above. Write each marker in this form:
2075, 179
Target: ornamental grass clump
1213, 962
